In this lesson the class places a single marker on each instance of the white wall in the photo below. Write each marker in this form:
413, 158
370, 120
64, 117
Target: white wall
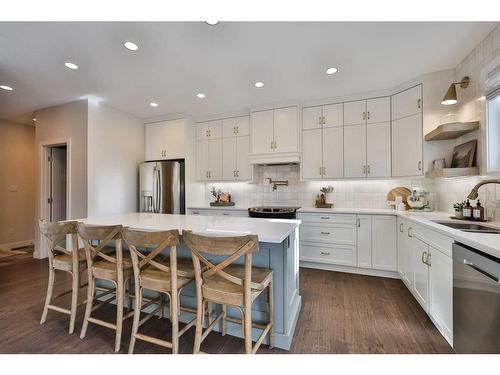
17, 208
115, 149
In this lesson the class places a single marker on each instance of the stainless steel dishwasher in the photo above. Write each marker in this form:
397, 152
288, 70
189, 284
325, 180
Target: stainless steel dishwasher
476, 301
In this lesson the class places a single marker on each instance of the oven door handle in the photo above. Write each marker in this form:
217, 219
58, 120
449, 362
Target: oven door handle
485, 273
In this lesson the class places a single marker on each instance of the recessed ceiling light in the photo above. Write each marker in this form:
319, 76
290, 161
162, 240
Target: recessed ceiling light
331, 70
153, 104
201, 95
259, 84
7, 88
70, 65
131, 46
212, 22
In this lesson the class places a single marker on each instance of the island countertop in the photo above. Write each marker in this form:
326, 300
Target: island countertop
268, 230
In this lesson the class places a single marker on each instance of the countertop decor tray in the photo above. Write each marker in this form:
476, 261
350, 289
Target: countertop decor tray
220, 204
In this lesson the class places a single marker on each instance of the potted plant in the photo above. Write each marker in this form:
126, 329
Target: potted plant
328, 191
459, 207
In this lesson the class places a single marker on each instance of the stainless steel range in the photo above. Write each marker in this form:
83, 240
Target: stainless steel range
273, 212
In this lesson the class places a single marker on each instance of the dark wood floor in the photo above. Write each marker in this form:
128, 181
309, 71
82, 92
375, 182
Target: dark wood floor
341, 313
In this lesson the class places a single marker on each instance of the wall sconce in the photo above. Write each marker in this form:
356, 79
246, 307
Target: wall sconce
451, 95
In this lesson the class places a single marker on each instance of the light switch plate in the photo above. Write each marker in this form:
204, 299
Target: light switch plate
13, 188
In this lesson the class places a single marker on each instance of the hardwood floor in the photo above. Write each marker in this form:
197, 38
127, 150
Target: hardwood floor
341, 313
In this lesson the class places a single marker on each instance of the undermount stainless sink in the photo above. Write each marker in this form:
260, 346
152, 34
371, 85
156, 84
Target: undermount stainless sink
470, 227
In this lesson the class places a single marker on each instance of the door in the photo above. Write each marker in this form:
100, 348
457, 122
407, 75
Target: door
262, 124
202, 156
311, 118
407, 146
243, 167
419, 251
355, 112
57, 183
441, 290
286, 130
229, 158
378, 150
378, 110
407, 103
333, 152
384, 246
355, 151
311, 154
333, 115
215, 159
364, 241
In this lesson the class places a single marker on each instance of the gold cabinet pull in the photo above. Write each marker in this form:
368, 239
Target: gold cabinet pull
420, 165
409, 233
368, 169
325, 232
401, 227
325, 253
364, 115
419, 103
368, 113
364, 169
424, 257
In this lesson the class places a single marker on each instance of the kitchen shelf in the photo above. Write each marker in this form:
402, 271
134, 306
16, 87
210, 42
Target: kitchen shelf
452, 172
451, 130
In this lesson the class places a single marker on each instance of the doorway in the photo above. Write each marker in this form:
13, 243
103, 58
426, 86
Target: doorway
56, 183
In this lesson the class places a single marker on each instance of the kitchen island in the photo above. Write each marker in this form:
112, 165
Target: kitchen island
279, 251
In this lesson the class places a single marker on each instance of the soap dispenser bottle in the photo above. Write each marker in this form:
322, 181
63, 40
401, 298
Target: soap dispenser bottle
478, 212
467, 211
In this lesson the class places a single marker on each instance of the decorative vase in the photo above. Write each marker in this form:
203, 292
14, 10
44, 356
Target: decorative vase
459, 214
329, 198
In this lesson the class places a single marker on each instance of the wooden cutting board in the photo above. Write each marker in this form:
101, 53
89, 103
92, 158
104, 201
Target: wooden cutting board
402, 191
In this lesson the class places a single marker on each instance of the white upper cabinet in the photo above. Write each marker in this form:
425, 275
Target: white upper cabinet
333, 115
202, 156
262, 125
333, 152
215, 159
311, 118
165, 140
378, 150
355, 151
209, 130
355, 112
378, 110
236, 126
243, 167
229, 163
407, 103
407, 146
312, 158
286, 130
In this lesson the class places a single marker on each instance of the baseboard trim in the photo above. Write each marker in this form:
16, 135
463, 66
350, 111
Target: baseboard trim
16, 245
356, 270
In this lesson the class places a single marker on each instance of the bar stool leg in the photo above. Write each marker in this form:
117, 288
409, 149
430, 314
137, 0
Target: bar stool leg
248, 328
50, 289
223, 321
74, 300
119, 312
175, 321
270, 297
88, 306
137, 316
200, 314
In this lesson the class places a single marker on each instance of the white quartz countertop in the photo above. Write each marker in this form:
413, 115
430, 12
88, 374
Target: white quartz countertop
268, 230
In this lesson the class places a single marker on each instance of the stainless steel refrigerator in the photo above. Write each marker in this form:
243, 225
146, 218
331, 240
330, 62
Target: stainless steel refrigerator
162, 187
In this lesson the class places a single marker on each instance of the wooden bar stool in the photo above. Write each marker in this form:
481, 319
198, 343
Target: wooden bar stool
108, 266
226, 283
160, 273
62, 259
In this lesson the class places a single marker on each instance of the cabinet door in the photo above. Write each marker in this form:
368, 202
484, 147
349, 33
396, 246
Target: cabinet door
215, 129
286, 129
407, 103
333, 152
407, 146
229, 155
334, 115
202, 130
215, 159
154, 142
441, 290
408, 257
378, 149
311, 154
384, 247
355, 151
311, 118
355, 112
235, 126
243, 167
378, 110
364, 241
401, 247
262, 132
202, 156
420, 272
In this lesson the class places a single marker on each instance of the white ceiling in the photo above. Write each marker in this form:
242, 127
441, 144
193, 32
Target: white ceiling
176, 60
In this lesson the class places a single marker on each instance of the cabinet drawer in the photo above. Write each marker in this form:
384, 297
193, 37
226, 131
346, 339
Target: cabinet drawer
327, 218
217, 212
336, 254
437, 240
339, 234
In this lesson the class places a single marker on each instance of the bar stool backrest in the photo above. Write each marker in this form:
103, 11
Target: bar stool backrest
104, 235
55, 233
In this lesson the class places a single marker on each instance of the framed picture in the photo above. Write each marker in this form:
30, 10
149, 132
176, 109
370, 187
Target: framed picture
464, 154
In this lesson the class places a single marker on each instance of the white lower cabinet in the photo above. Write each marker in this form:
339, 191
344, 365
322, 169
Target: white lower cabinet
384, 247
364, 241
217, 212
419, 250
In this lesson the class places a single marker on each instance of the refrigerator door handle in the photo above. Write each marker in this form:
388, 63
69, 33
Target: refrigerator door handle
159, 191
154, 190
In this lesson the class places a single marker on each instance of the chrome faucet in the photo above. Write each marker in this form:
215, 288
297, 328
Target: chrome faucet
473, 194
